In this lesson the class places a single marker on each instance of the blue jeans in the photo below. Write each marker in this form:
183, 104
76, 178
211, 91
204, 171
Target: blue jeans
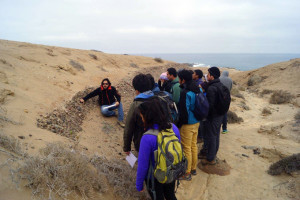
109, 112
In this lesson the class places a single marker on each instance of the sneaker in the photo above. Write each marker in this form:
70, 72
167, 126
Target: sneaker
186, 177
224, 131
194, 172
121, 124
206, 162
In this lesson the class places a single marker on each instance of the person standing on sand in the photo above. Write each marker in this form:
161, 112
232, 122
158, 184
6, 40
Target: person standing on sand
213, 122
187, 122
154, 119
228, 83
134, 127
109, 99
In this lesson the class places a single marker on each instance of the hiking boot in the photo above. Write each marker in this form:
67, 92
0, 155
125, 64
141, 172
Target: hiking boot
194, 172
224, 131
206, 162
186, 177
121, 124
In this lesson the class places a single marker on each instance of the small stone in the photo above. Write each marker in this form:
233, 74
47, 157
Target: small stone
25, 110
21, 137
32, 147
85, 148
245, 155
30, 135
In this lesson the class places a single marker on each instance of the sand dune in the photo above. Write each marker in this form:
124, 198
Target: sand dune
37, 80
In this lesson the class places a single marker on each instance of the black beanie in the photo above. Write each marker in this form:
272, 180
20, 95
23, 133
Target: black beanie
214, 71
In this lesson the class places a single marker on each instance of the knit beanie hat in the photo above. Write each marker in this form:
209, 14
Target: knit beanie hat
163, 76
214, 71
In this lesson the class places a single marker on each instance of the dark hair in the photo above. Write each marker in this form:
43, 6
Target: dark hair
214, 71
106, 79
151, 79
199, 73
185, 75
172, 71
154, 113
141, 83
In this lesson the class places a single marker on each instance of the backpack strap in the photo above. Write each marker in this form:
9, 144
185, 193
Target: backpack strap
150, 175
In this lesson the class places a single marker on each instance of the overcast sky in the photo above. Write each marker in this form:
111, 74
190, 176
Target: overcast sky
156, 26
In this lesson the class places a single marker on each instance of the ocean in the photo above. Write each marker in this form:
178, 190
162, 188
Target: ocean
243, 62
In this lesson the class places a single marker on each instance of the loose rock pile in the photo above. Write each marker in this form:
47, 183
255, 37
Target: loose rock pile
67, 121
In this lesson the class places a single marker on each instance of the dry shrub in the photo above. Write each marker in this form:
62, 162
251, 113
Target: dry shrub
77, 65
233, 118
11, 144
266, 91
64, 172
60, 172
288, 165
297, 115
281, 97
133, 65
93, 56
266, 111
235, 92
159, 60
244, 105
120, 176
254, 79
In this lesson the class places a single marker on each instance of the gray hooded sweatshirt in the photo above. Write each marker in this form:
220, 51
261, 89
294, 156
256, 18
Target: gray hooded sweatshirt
226, 80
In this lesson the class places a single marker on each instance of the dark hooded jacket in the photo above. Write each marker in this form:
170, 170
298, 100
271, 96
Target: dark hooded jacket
212, 97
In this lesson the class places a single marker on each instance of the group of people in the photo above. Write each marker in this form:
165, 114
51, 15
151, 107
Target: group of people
146, 112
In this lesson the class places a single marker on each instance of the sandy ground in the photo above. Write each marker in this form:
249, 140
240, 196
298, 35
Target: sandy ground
37, 79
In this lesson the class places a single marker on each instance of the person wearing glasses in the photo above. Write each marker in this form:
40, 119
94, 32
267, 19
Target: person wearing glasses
109, 100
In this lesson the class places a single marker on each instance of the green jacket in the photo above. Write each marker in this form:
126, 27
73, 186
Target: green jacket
175, 91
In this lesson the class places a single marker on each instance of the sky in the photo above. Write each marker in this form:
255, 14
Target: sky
155, 26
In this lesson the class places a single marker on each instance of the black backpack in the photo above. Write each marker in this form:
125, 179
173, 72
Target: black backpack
201, 106
169, 86
223, 99
168, 104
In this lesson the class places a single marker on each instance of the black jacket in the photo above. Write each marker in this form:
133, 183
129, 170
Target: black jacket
212, 97
106, 96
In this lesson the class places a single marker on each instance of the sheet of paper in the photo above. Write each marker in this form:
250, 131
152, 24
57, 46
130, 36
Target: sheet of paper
131, 159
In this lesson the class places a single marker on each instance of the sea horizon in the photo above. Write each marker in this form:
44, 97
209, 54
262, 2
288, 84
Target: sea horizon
239, 61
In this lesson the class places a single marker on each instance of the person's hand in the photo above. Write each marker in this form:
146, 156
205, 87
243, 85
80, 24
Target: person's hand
117, 103
142, 190
81, 100
127, 153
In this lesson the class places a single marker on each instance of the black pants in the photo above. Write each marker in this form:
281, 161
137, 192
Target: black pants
211, 136
163, 191
200, 130
224, 123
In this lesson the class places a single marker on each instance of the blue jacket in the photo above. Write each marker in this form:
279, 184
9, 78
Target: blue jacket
187, 103
147, 147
